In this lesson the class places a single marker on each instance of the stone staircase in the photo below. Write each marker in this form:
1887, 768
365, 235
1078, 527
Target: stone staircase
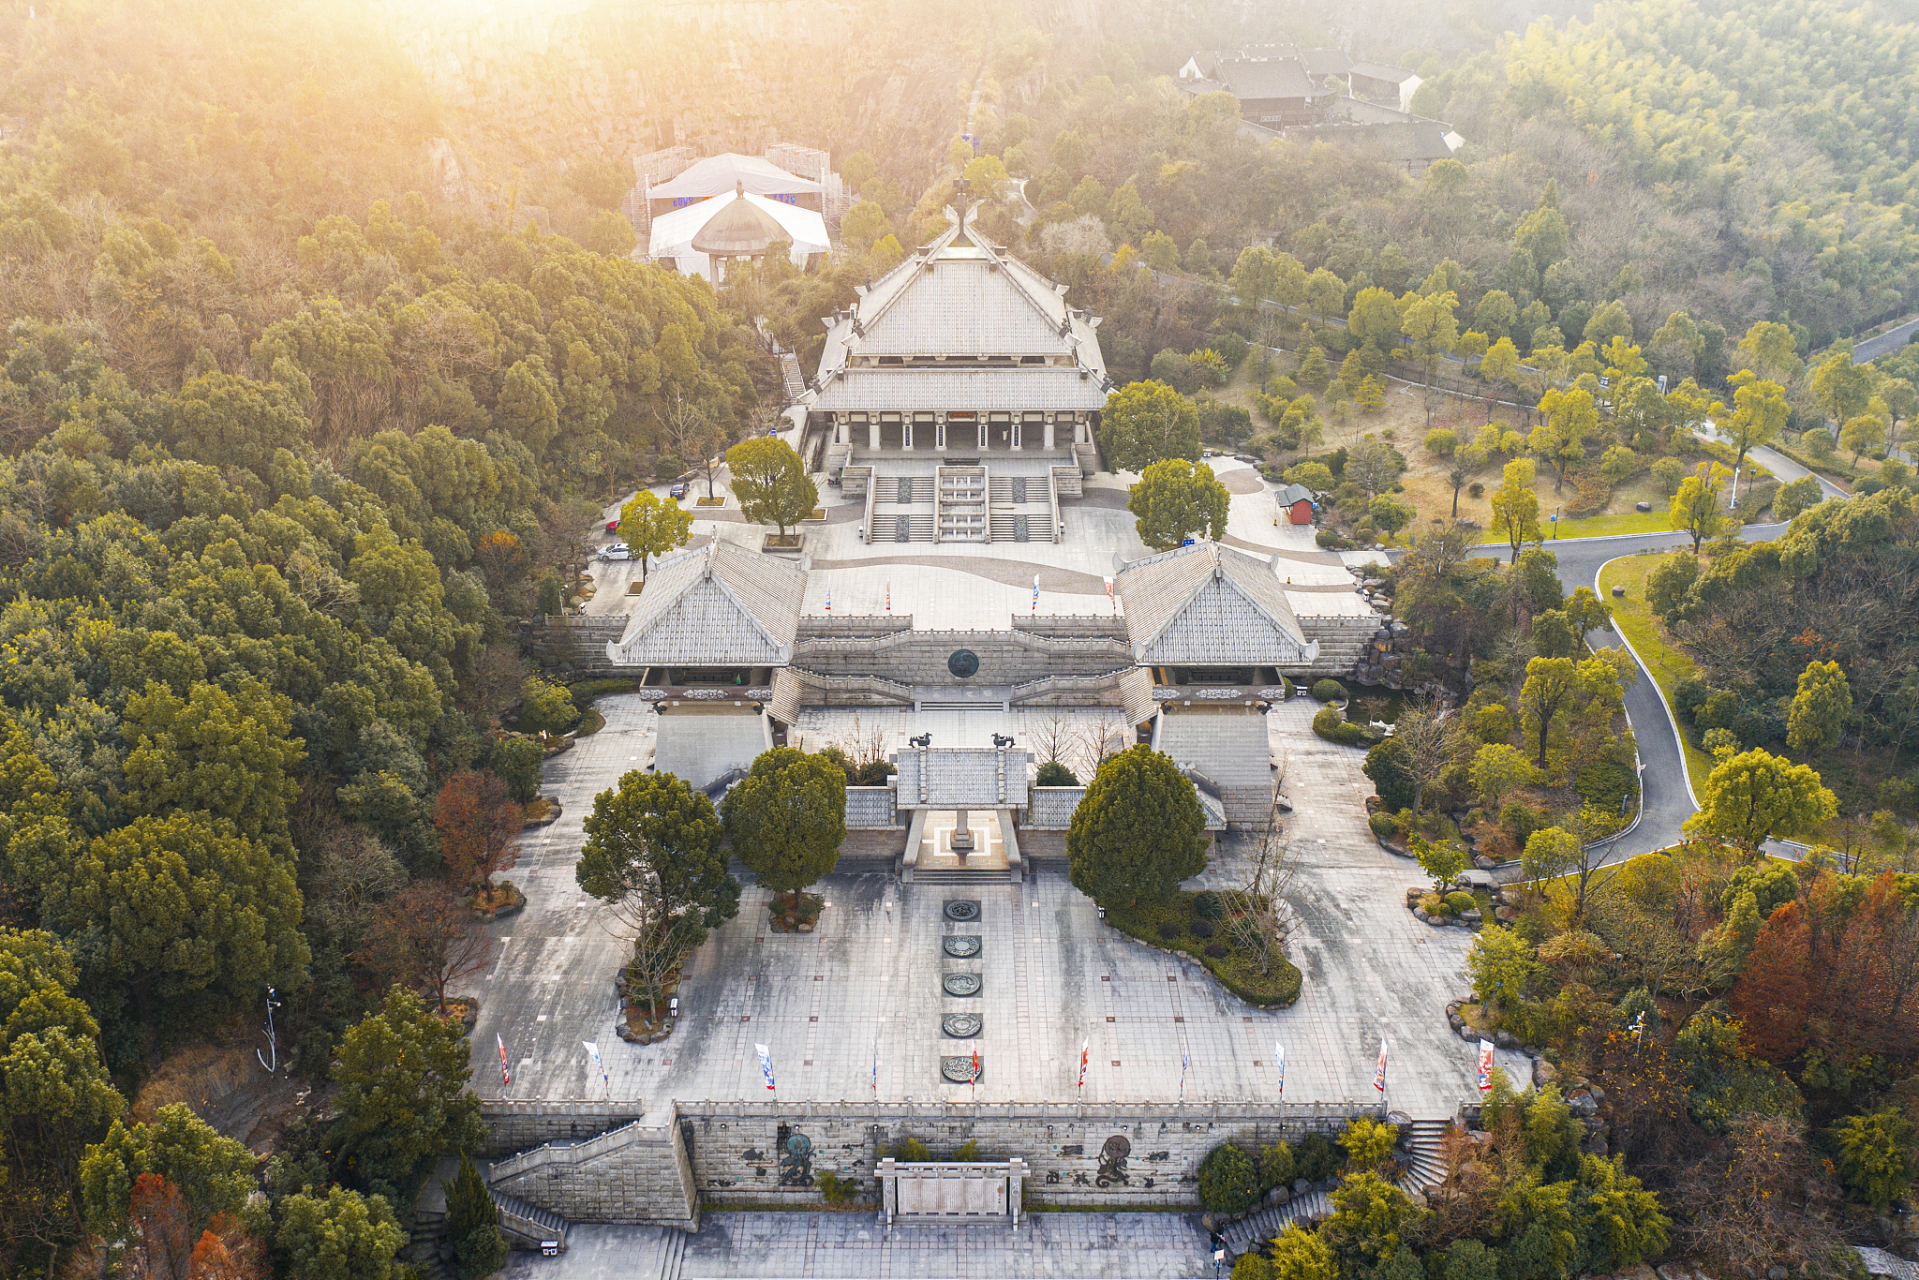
1304, 1208
528, 1226
965, 875
1427, 1167
430, 1252
1424, 1168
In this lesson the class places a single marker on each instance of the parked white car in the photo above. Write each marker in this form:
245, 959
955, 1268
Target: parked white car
616, 551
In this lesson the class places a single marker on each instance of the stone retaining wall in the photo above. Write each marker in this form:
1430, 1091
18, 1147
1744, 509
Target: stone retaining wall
661, 1169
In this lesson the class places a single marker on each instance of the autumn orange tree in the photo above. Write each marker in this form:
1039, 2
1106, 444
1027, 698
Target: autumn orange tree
477, 821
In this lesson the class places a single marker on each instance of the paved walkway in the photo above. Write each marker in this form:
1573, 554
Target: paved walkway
775, 1246
1053, 974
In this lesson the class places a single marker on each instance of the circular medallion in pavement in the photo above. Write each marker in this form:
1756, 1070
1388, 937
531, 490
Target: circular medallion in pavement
962, 909
959, 1068
962, 945
963, 663
961, 984
961, 1026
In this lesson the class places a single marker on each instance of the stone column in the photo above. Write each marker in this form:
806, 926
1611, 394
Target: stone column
873, 431
839, 428
979, 421
963, 835
906, 431
889, 1187
1015, 1187
939, 431
1049, 430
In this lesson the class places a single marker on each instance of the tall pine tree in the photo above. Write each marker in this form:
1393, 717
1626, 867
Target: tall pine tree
473, 1224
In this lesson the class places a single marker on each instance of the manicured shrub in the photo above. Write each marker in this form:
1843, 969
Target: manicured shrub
1315, 1158
1327, 690
1054, 774
1168, 930
1382, 825
1207, 905
1459, 901
1519, 820
1202, 928
911, 1150
1275, 1166
1228, 1181
1217, 950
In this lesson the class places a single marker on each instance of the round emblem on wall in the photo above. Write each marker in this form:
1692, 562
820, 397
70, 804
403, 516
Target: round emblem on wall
964, 664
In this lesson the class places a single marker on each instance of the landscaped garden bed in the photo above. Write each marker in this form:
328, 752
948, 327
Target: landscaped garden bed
1182, 923
496, 901
795, 913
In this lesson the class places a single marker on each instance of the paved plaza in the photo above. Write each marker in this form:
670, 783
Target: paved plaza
974, 586
867, 986
776, 1246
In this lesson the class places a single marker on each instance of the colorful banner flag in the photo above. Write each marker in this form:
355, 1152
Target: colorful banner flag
1082, 1061
593, 1052
1379, 1075
975, 1080
889, 595
1109, 596
876, 1068
506, 1077
766, 1064
1279, 1053
1182, 1076
1485, 1064
1036, 593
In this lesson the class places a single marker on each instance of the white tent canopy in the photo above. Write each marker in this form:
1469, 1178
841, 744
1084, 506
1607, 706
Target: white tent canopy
718, 175
673, 233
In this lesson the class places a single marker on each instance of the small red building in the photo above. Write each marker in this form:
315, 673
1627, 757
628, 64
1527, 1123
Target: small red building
1296, 500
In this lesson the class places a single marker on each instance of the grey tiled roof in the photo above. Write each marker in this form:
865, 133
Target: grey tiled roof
988, 389
1381, 71
960, 300
964, 306
1266, 78
722, 605
1215, 811
1208, 604
1881, 1263
1293, 493
870, 808
1051, 808
960, 777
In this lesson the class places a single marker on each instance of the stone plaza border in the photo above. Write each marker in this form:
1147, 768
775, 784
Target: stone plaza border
666, 1167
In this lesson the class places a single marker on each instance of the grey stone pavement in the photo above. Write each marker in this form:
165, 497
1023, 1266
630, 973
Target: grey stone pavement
1053, 974
774, 1246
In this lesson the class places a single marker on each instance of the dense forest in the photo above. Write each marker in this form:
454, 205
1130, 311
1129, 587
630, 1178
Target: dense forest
289, 448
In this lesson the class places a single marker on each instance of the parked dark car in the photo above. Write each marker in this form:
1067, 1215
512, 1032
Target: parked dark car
677, 492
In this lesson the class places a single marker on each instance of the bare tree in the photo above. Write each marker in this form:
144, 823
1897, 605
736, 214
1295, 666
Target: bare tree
658, 950
1257, 915
1052, 737
425, 935
1100, 736
1431, 741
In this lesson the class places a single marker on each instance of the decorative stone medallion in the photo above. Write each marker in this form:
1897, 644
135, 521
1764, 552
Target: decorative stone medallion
964, 946
964, 664
961, 984
959, 1068
962, 909
961, 1026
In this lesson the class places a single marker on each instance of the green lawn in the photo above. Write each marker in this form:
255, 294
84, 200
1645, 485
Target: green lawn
1648, 638
1599, 526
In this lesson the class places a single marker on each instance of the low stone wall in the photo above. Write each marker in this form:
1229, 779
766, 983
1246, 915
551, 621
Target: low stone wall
517, 1126
872, 850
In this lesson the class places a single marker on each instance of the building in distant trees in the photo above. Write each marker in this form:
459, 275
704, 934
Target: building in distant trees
698, 215
1322, 95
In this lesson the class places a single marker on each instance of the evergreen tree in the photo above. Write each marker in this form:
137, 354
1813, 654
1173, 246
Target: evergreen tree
473, 1224
1138, 831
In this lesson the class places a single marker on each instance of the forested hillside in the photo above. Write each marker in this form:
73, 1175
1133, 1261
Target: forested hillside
287, 447
1778, 138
